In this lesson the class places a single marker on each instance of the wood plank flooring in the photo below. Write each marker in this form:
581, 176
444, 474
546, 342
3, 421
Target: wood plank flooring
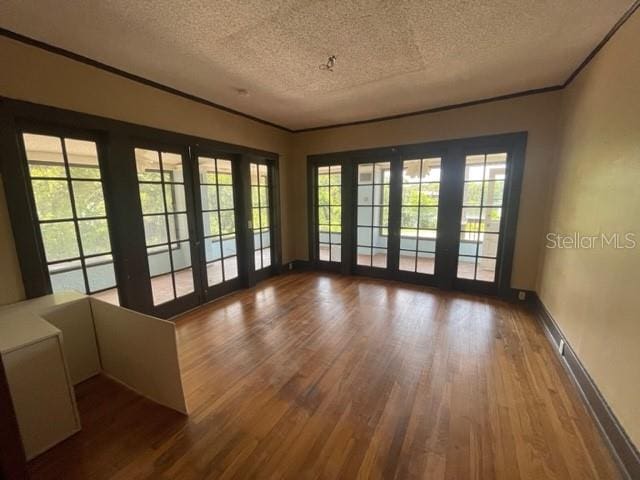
322, 376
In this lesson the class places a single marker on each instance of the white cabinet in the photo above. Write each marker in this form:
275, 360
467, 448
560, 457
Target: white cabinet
42, 394
38, 379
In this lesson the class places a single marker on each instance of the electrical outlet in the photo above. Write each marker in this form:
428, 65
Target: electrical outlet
561, 347
522, 295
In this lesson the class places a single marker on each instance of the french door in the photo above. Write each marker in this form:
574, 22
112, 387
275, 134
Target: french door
217, 203
328, 198
208, 223
439, 214
66, 180
373, 185
483, 224
419, 213
167, 208
397, 209
262, 180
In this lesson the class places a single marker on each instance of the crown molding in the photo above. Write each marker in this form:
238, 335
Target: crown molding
145, 81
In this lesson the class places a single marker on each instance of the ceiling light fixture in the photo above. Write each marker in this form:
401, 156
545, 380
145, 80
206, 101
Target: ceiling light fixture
331, 62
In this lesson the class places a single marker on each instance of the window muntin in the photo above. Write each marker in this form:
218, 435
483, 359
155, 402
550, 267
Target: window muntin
419, 214
68, 192
329, 212
481, 216
166, 225
218, 219
372, 220
261, 214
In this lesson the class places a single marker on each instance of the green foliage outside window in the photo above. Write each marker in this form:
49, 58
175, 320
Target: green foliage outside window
224, 178
482, 204
419, 208
329, 201
151, 198
53, 202
52, 199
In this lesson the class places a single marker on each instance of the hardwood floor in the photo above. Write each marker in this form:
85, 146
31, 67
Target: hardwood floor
322, 376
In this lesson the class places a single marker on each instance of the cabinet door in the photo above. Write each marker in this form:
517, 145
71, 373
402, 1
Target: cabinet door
41, 392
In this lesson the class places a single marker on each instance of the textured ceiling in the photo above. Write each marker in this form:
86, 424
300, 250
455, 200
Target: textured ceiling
393, 56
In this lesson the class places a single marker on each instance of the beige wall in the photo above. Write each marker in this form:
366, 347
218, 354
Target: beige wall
536, 114
594, 295
38, 76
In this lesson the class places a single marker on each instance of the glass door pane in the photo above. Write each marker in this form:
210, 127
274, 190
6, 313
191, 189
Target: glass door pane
218, 219
329, 213
481, 216
261, 214
419, 214
166, 224
372, 216
67, 188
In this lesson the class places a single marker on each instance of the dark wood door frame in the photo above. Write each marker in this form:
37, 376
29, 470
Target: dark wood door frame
395, 193
115, 140
272, 165
216, 291
190, 300
453, 153
346, 178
